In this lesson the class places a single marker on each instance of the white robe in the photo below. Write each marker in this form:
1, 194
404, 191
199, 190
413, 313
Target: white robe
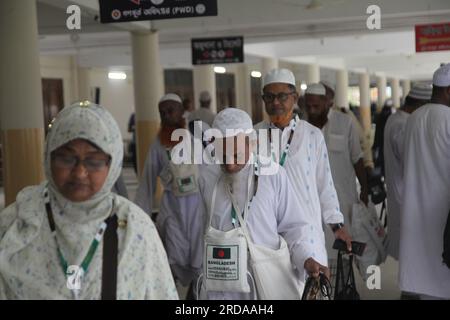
344, 149
394, 136
426, 203
308, 170
179, 222
273, 211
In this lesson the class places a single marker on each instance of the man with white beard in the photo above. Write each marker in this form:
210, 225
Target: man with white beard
245, 209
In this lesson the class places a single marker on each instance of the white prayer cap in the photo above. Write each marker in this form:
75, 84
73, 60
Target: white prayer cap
232, 121
328, 84
441, 76
171, 97
316, 89
205, 96
278, 76
421, 91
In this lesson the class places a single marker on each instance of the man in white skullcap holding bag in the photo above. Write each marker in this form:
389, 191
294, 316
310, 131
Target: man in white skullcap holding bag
426, 200
303, 153
251, 216
179, 223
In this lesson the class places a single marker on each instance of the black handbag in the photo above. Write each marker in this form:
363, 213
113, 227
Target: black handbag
345, 288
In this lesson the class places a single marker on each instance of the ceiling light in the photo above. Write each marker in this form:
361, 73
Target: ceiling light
117, 75
220, 70
303, 86
256, 74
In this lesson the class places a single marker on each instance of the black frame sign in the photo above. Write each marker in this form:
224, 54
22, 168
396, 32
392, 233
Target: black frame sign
137, 10
217, 50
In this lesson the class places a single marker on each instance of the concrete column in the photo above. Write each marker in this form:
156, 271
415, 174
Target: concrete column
364, 103
313, 73
205, 80
381, 88
148, 90
242, 86
341, 99
406, 86
267, 64
74, 79
84, 85
21, 110
395, 85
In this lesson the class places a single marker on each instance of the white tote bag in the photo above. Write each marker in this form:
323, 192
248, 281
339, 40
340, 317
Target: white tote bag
274, 274
367, 228
275, 277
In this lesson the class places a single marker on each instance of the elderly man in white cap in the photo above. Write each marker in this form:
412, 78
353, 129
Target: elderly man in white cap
179, 223
394, 136
342, 140
248, 209
363, 139
304, 156
426, 194
203, 113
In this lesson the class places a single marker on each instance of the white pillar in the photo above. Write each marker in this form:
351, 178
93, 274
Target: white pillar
147, 90
364, 102
341, 99
205, 80
395, 85
21, 110
268, 64
242, 87
406, 86
381, 88
313, 73
74, 79
83, 85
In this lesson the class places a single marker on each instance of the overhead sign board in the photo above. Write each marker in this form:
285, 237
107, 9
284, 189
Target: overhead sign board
433, 37
136, 10
217, 50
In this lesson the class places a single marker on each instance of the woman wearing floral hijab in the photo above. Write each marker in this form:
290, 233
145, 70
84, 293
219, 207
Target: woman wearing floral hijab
60, 224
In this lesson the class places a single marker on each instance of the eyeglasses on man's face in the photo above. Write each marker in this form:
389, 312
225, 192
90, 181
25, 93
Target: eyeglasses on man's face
92, 164
269, 97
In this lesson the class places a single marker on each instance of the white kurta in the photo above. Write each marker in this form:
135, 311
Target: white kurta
426, 202
342, 140
274, 211
309, 173
394, 136
178, 221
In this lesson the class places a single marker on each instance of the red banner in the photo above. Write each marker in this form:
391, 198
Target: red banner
433, 37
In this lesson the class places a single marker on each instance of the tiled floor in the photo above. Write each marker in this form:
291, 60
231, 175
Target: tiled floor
389, 270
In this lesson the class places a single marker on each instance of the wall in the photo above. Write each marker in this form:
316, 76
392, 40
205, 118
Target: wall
115, 95
60, 67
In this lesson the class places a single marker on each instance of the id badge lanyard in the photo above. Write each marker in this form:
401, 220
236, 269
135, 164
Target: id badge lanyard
285, 153
90, 253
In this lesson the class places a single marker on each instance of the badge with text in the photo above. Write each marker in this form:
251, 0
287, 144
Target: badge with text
222, 262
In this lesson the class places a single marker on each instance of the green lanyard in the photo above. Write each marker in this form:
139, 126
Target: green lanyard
288, 145
93, 247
